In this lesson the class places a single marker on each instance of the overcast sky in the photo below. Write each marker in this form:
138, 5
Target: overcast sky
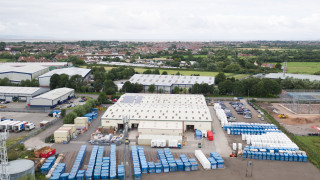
160, 19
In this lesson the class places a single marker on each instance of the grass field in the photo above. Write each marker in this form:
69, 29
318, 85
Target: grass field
4, 60
303, 67
313, 144
188, 72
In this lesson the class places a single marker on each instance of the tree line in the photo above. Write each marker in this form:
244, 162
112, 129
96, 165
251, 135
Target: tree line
80, 111
24, 83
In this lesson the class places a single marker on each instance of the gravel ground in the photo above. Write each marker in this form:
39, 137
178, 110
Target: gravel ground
35, 118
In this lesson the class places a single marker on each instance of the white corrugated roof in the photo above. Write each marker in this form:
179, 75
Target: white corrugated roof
25, 68
54, 94
160, 125
165, 107
69, 71
295, 76
18, 90
168, 80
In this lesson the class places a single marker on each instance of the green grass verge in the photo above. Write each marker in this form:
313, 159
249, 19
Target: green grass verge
5, 60
13, 141
311, 145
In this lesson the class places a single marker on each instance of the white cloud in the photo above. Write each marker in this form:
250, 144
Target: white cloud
161, 19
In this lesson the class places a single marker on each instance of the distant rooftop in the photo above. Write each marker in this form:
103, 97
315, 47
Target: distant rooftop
22, 68
54, 94
295, 76
169, 80
69, 71
18, 90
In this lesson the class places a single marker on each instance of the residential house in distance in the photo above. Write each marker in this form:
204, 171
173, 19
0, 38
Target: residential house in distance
158, 61
272, 66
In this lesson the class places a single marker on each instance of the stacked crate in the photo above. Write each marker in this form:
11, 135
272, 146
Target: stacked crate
45, 168
92, 162
143, 161
215, 157
98, 165
78, 162
113, 162
136, 163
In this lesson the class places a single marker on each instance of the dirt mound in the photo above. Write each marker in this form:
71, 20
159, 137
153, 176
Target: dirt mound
301, 120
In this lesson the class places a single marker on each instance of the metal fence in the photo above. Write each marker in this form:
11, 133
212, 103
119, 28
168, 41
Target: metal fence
35, 132
25, 110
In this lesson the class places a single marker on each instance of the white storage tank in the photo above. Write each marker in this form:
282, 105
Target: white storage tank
20, 169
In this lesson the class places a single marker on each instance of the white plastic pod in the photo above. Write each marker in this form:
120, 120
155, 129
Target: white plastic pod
234, 146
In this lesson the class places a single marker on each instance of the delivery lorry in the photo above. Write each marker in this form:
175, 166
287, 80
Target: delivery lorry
19, 126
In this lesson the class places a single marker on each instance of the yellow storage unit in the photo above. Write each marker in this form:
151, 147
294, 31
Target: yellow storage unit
81, 120
72, 128
61, 135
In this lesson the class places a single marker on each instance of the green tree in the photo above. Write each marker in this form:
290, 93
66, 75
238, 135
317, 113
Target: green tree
102, 98
147, 71
176, 90
156, 71
152, 88
127, 87
64, 78
76, 82
63, 112
69, 118
110, 91
109, 84
80, 110
164, 73
178, 73
278, 66
54, 81
2, 46
220, 77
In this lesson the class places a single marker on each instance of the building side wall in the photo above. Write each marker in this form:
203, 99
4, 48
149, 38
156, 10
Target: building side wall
207, 125
174, 132
44, 81
15, 76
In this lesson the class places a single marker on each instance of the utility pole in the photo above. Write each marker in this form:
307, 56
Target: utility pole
3, 156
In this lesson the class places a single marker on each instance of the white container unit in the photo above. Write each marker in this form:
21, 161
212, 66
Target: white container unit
202, 159
204, 133
234, 146
270, 139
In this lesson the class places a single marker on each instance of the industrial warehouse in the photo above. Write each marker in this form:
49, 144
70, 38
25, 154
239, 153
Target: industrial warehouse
17, 73
166, 83
44, 80
191, 110
16, 93
52, 98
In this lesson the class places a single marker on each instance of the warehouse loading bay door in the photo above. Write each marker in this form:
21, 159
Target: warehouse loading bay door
190, 127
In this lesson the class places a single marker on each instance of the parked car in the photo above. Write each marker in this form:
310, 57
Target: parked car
262, 118
259, 116
247, 116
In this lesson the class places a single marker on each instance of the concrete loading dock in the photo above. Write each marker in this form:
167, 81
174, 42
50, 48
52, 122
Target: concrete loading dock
160, 128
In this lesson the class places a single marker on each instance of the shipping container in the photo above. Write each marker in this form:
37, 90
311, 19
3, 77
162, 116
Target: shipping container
202, 159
